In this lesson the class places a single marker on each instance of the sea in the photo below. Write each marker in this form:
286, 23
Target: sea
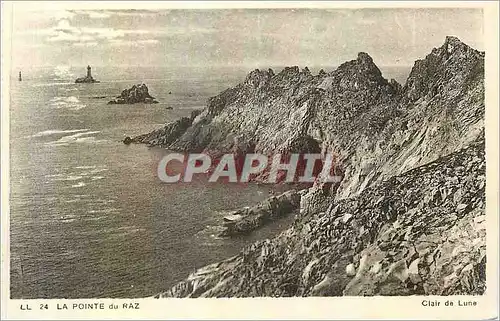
89, 217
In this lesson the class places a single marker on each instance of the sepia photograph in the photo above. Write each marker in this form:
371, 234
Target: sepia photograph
245, 152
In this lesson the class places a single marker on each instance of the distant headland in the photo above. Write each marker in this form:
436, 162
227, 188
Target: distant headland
88, 78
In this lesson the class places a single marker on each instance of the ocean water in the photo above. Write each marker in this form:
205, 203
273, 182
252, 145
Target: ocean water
88, 216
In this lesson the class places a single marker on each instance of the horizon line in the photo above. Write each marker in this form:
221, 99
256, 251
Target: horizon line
250, 67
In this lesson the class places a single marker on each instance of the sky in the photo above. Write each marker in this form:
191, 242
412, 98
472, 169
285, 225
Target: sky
236, 37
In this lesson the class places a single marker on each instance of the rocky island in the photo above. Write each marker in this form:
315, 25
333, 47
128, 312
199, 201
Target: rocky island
408, 216
88, 78
136, 94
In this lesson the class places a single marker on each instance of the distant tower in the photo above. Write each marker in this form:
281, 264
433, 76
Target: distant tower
20, 77
89, 72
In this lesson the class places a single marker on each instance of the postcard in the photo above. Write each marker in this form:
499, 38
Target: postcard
249, 160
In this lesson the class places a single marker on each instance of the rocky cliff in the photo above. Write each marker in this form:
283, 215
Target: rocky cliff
395, 144
422, 232
377, 127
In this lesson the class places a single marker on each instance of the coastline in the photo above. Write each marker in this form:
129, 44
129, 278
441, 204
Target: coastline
382, 136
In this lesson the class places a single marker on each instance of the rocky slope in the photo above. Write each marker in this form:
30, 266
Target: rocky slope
422, 232
412, 162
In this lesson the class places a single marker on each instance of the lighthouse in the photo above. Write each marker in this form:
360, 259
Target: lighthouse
88, 78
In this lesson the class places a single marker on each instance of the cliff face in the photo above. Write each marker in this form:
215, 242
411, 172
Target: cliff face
410, 157
377, 128
422, 232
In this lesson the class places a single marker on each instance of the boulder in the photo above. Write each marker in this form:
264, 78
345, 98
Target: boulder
246, 220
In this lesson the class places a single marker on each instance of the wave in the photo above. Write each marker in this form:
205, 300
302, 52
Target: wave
58, 131
96, 218
69, 102
90, 140
77, 198
68, 218
61, 177
86, 167
91, 170
66, 98
80, 184
52, 84
124, 231
80, 178
81, 137
98, 170
54, 175
104, 210
103, 201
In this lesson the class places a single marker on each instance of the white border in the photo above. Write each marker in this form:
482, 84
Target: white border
268, 308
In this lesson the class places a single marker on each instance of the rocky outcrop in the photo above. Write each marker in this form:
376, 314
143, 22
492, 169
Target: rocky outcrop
86, 79
135, 94
166, 135
406, 218
422, 232
273, 110
247, 219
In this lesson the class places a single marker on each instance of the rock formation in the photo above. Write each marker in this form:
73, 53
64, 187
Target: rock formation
88, 78
422, 232
246, 220
166, 135
135, 94
408, 215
